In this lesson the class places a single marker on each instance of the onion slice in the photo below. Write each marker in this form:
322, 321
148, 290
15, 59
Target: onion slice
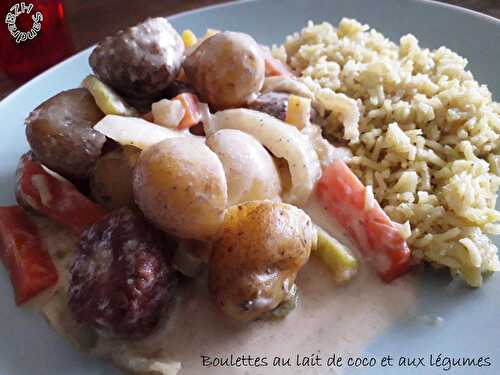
135, 131
282, 140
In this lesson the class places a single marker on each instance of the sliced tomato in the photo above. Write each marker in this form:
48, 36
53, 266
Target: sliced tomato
55, 197
28, 262
192, 108
342, 194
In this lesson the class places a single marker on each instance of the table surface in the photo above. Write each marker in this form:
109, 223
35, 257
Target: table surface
112, 15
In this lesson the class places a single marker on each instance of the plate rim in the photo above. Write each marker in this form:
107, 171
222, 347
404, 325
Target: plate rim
433, 3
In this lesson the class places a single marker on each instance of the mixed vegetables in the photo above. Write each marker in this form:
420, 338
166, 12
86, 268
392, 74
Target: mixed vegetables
186, 155
359, 214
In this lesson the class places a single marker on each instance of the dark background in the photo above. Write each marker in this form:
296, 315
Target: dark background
91, 20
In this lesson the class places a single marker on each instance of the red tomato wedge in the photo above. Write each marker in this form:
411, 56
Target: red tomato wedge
28, 262
191, 105
342, 194
275, 67
55, 197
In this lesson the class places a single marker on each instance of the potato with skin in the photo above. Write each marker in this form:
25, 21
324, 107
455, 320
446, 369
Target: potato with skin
179, 184
111, 179
61, 135
227, 69
255, 259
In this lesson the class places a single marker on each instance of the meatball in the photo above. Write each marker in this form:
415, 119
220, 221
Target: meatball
227, 69
61, 136
141, 61
272, 103
122, 278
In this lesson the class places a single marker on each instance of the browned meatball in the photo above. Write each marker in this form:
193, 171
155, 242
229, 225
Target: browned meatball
121, 279
60, 133
272, 103
141, 61
275, 104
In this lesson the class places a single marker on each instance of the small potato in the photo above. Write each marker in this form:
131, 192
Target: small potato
111, 180
227, 69
283, 141
168, 113
61, 136
250, 171
272, 103
180, 186
177, 88
255, 259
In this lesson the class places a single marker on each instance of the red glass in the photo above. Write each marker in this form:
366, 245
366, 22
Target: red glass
33, 36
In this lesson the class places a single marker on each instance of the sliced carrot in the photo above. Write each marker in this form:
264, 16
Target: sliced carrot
275, 67
55, 197
342, 194
28, 262
192, 107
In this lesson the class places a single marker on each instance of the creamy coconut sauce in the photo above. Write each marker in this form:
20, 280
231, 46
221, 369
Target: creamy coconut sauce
329, 319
